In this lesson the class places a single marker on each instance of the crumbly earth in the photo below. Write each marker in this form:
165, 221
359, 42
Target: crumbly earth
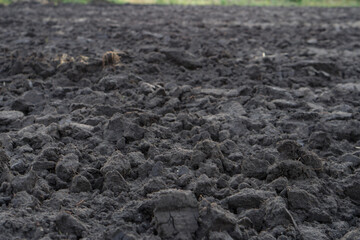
216, 123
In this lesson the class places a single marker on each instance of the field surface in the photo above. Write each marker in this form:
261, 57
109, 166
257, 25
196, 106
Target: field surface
203, 123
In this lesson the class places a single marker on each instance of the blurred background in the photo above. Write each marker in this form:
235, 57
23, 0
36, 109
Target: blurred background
300, 3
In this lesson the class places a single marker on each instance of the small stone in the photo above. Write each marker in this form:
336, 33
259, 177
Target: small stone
22, 106
338, 115
43, 69
210, 148
319, 215
282, 103
311, 233
157, 170
183, 170
80, 184
24, 182
254, 72
340, 229
214, 218
301, 199
94, 176
319, 140
43, 165
255, 167
144, 169
17, 67
184, 180
33, 97
266, 236
290, 169
121, 143
55, 182
350, 158
279, 184
6, 142
67, 167
115, 182
176, 214
50, 154
5, 174
347, 88
235, 180
276, 213
117, 162
41, 189
305, 116
23, 200
154, 185
353, 190
8, 117
181, 58
290, 149
76, 130
136, 159
256, 216
122, 235
228, 146
204, 186
352, 235
311, 159
69, 224
223, 135
219, 236
119, 127
108, 83
222, 183
339, 129
248, 198
18, 164
197, 157
328, 67
105, 149
283, 237
246, 222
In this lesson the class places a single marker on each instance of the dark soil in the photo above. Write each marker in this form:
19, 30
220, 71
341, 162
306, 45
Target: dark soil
203, 123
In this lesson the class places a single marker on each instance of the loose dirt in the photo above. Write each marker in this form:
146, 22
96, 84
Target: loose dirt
179, 122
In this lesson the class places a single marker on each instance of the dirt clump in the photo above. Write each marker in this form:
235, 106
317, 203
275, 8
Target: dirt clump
218, 122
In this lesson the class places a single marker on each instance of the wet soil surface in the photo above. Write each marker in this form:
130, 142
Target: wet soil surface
204, 123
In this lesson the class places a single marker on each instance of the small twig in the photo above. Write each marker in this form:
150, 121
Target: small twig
79, 203
294, 223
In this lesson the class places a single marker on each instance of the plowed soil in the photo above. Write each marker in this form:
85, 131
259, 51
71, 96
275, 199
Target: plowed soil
202, 123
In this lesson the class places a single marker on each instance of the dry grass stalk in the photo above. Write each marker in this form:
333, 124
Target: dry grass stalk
110, 58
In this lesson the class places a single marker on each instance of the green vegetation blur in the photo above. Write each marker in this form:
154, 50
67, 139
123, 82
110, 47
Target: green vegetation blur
314, 3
